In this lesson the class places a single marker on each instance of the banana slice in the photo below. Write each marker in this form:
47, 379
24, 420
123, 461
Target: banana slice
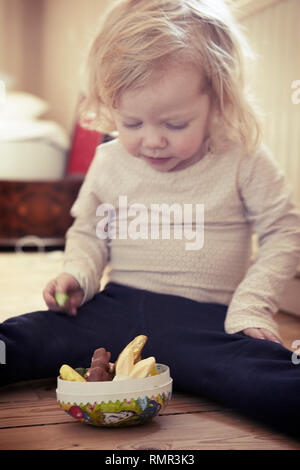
136, 345
67, 373
124, 364
130, 356
143, 368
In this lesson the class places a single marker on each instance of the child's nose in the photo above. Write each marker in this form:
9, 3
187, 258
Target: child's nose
153, 139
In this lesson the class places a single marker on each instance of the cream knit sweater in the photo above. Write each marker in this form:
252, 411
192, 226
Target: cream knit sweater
241, 195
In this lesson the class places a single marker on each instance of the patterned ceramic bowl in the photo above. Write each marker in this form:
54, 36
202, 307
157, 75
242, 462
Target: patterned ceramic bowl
115, 404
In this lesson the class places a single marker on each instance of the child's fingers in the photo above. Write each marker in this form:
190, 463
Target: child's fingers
50, 301
270, 336
72, 310
48, 295
261, 333
254, 333
66, 302
55, 301
52, 304
63, 294
68, 307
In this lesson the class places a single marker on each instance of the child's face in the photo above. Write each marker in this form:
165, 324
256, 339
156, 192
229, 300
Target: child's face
165, 123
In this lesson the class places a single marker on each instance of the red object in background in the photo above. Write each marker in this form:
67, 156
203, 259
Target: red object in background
83, 149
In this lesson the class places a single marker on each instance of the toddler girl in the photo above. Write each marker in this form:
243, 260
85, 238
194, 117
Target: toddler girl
171, 205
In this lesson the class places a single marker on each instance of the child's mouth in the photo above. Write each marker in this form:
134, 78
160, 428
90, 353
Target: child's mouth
156, 161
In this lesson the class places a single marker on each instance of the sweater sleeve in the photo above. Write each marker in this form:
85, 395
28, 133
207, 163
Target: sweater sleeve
86, 255
269, 208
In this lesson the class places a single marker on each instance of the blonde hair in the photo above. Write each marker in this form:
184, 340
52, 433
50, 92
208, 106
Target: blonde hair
139, 37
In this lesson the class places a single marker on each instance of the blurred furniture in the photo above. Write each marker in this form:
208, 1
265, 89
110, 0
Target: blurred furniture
32, 150
39, 208
84, 144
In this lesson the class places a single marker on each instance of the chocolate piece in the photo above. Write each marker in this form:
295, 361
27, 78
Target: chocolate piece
98, 374
101, 356
101, 369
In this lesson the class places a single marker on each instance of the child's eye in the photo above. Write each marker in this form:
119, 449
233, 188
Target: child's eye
176, 127
132, 126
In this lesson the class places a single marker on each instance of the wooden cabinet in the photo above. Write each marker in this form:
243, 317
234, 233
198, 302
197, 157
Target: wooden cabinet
37, 208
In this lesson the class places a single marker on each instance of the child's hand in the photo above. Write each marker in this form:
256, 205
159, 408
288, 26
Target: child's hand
261, 333
63, 284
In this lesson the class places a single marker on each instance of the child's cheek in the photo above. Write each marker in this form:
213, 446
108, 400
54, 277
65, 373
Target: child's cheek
185, 145
130, 143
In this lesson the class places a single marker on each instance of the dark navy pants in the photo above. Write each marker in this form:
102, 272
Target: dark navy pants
253, 376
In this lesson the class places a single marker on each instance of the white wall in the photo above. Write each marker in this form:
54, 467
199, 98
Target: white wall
274, 34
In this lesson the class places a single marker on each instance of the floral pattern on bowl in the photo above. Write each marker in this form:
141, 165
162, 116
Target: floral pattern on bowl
118, 413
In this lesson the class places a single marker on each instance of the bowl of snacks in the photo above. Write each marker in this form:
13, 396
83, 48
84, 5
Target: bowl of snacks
128, 392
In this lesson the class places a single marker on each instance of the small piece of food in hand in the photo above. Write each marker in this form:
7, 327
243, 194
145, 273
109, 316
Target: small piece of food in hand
61, 298
67, 373
143, 368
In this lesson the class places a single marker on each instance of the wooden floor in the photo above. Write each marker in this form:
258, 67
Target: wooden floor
31, 419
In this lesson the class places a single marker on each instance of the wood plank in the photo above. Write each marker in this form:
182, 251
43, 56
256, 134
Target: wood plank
47, 411
28, 391
32, 414
12, 394
186, 403
203, 431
